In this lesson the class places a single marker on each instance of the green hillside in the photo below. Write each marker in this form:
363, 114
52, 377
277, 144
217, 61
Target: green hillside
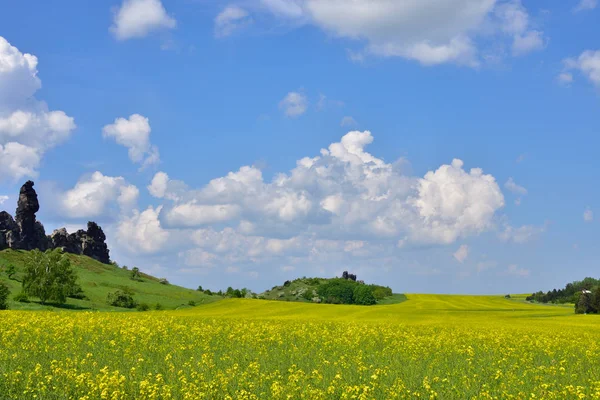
98, 280
304, 289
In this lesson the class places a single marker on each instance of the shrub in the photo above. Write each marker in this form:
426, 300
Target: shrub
380, 292
363, 295
10, 271
287, 283
163, 281
200, 288
77, 292
208, 292
192, 303
143, 307
308, 294
158, 306
135, 274
337, 291
21, 297
122, 298
4, 293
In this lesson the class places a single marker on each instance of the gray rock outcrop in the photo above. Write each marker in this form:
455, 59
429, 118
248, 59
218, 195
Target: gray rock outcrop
26, 233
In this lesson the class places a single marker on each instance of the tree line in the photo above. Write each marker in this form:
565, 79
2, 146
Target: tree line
584, 294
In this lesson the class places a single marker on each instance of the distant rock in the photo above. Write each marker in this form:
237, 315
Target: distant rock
32, 233
26, 233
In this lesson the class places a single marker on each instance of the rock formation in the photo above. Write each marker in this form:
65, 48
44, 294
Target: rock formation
26, 233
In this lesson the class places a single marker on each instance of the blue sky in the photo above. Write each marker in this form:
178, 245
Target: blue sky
192, 131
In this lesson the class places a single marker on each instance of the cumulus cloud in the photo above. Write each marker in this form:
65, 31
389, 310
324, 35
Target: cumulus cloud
138, 18
462, 253
142, 232
426, 31
97, 195
585, 5
588, 64
230, 20
134, 133
344, 201
27, 127
588, 215
3, 199
294, 104
158, 186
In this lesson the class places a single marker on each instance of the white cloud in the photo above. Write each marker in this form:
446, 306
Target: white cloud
288, 268
137, 18
512, 186
190, 214
3, 199
514, 269
565, 78
588, 63
17, 160
95, 196
134, 133
230, 20
453, 203
585, 5
27, 128
427, 31
142, 232
588, 215
528, 42
294, 104
158, 186
462, 253
514, 21
345, 192
348, 122
522, 234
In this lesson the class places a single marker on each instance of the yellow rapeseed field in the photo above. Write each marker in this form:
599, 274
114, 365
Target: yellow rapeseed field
446, 347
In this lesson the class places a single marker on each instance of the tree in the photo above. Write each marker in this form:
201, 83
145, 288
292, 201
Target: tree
363, 295
10, 271
4, 293
49, 276
135, 274
584, 304
200, 288
596, 300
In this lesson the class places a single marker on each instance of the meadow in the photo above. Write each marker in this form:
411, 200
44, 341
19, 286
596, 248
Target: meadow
429, 346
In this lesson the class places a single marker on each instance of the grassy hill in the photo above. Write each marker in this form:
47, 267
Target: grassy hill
98, 280
295, 291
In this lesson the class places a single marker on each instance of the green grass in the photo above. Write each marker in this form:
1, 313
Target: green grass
393, 299
97, 281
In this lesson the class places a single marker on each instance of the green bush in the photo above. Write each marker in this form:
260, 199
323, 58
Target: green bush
192, 303
21, 297
337, 291
158, 306
380, 292
122, 298
4, 293
143, 307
